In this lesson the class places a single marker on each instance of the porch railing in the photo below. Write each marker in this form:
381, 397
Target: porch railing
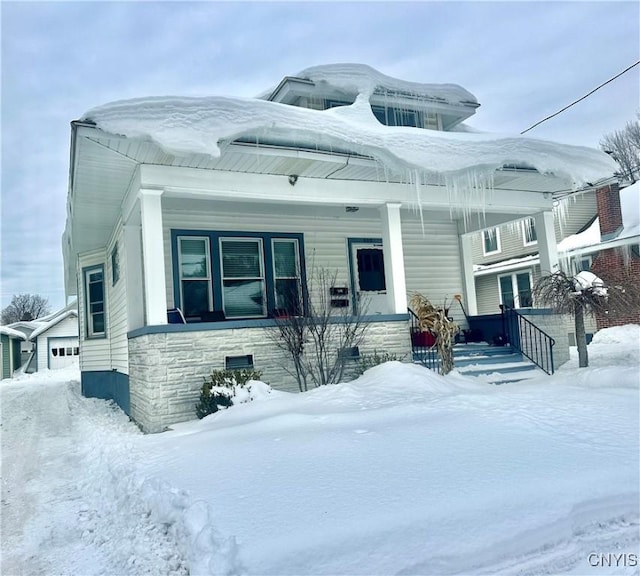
422, 349
527, 338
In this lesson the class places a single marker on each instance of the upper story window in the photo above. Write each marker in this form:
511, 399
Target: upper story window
529, 235
94, 301
390, 116
491, 241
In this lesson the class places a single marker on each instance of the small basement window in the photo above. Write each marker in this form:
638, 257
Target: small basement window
351, 353
239, 362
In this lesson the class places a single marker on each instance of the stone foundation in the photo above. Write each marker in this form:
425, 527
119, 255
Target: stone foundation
167, 368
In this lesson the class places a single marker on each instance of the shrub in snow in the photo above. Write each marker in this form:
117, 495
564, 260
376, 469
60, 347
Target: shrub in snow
367, 361
223, 388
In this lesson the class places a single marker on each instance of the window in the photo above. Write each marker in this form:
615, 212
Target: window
237, 275
399, 116
515, 290
243, 282
195, 275
239, 362
286, 273
115, 265
94, 299
490, 241
529, 235
581, 264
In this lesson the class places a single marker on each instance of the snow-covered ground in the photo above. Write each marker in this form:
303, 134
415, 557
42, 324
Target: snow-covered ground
399, 472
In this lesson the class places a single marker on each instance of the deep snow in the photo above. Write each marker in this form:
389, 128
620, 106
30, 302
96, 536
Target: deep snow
399, 472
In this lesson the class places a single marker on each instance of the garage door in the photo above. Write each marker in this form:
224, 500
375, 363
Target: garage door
63, 352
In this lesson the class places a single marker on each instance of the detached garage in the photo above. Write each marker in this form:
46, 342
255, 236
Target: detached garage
10, 340
57, 343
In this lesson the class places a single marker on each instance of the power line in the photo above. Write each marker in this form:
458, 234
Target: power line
580, 99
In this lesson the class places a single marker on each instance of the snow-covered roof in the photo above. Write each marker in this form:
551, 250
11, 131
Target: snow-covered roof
363, 79
51, 323
630, 208
187, 125
12, 333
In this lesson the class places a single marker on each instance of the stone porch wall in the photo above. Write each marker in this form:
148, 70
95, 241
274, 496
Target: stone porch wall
555, 325
166, 369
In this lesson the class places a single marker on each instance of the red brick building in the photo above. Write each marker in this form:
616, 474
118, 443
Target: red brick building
619, 261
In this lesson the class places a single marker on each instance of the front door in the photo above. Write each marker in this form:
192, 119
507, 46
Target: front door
368, 278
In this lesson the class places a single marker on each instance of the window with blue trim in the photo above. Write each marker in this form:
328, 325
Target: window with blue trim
242, 275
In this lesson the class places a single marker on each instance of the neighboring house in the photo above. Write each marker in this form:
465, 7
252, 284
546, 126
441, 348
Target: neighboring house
57, 344
51, 341
506, 260
617, 254
225, 207
10, 341
26, 347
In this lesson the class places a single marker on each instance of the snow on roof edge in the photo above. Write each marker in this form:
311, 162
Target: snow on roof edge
51, 323
12, 333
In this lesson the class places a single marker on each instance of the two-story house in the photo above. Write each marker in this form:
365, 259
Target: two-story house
223, 208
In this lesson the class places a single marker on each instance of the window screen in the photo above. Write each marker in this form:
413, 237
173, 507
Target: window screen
243, 285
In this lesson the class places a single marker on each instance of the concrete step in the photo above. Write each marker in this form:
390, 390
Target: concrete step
505, 358
500, 367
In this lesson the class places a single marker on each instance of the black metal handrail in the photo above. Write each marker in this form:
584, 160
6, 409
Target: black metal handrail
421, 351
527, 338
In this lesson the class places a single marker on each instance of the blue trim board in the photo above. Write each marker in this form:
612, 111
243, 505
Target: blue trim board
107, 385
352, 270
214, 261
250, 323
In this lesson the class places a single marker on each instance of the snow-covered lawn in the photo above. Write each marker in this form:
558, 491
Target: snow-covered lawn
399, 472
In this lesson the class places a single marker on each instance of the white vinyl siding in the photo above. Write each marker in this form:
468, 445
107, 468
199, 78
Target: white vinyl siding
110, 353
95, 353
117, 308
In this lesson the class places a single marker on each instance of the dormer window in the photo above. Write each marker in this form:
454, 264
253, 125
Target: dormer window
390, 116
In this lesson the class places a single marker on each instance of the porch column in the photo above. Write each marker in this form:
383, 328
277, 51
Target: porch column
470, 302
393, 258
155, 291
547, 245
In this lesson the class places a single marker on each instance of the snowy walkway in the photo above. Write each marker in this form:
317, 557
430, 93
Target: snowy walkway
60, 453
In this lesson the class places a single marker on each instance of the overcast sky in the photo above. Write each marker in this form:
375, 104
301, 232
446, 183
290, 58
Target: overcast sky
522, 60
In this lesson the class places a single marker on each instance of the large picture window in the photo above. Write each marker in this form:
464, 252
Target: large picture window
94, 301
232, 275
